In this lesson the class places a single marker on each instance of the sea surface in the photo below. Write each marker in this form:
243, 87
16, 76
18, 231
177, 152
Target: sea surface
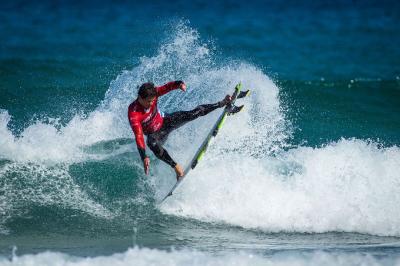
307, 174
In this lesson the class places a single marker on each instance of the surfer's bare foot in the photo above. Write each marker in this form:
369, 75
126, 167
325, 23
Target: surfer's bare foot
178, 171
226, 100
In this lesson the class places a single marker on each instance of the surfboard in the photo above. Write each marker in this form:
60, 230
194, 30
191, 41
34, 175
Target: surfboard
230, 109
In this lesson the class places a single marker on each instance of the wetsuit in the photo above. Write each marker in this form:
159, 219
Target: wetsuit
156, 127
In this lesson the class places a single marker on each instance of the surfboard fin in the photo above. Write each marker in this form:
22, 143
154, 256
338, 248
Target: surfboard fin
235, 109
243, 94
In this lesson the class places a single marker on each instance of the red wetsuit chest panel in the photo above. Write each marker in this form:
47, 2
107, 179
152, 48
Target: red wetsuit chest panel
150, 119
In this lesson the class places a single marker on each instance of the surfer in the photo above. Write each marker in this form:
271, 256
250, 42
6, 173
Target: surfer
146, 119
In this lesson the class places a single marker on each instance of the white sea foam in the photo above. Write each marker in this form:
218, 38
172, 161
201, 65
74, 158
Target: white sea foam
45, 143
350, 185
144, 257
36, 167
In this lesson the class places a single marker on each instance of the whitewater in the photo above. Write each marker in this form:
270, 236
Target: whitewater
188, 257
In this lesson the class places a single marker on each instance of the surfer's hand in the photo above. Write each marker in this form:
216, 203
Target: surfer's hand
146, 165
182, 86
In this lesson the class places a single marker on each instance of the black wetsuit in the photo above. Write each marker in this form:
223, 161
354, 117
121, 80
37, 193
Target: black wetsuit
156, 140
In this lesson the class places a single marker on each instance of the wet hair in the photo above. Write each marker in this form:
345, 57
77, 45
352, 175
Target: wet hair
147, 90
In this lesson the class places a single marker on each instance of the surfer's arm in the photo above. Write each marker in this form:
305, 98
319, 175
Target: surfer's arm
173, 85
138, 131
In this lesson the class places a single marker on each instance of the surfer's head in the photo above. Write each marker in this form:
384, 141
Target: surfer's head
147, 93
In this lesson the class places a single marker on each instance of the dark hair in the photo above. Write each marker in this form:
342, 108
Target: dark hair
147, 90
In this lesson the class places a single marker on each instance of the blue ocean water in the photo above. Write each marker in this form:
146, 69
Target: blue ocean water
306, 174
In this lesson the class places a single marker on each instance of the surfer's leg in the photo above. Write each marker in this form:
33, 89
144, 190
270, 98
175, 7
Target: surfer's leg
178, 119
156, 147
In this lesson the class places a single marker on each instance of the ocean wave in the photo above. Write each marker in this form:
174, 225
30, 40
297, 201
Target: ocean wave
182, 56
253, 177
144, 256
36, 165
346, 186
